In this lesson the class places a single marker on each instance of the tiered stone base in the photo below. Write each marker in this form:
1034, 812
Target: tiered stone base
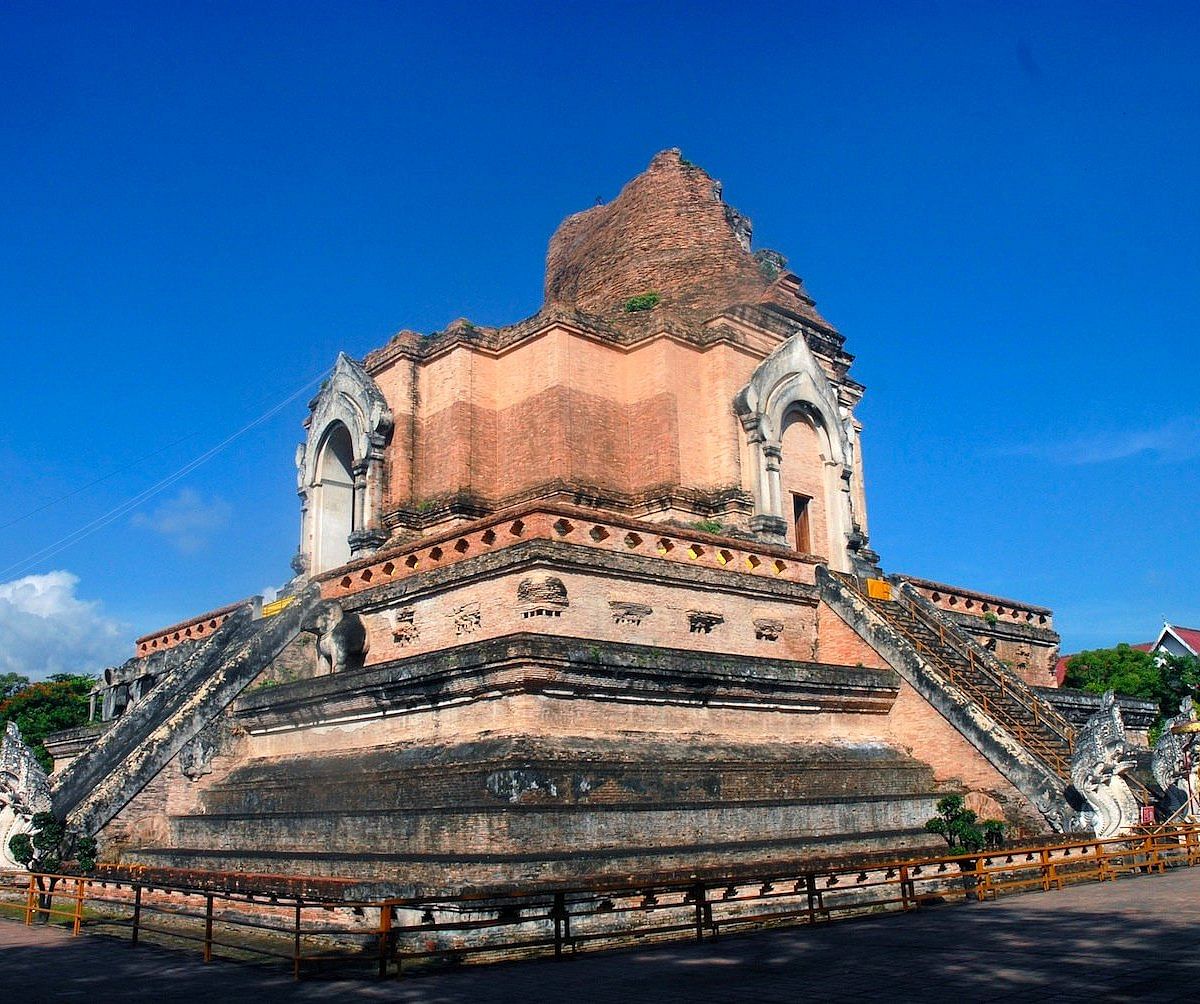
520, 810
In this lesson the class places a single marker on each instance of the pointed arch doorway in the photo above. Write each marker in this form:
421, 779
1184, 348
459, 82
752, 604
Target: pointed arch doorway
334, 498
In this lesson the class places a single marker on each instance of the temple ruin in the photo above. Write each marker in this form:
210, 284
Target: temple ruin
591, 594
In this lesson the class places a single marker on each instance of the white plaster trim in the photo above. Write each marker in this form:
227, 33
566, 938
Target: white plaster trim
788, 378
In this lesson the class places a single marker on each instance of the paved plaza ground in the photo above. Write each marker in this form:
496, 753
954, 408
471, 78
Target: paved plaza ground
1135, 939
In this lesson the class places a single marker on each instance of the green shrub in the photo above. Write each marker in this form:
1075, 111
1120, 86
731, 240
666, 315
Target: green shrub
647, 301
960, 827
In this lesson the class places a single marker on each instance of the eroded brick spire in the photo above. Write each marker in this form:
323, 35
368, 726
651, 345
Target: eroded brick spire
669, 232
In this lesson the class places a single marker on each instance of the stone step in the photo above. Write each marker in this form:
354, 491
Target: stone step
414, 867
1004, 707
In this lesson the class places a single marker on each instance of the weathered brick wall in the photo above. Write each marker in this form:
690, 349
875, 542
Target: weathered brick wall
1029, 659
567, 407
667, 227
930, 738
839, 645
145, 820
444, 619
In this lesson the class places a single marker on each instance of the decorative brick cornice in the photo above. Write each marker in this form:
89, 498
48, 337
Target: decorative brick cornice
200, 626
971, 601
584, 528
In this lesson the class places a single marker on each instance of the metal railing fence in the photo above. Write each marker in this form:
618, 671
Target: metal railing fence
389, 934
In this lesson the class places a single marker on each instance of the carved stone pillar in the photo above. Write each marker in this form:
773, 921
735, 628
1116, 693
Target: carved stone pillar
841, 558
360, 495
773, 455
374, 483
770, 524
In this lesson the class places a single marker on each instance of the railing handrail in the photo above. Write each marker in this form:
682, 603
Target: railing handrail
625, 911
1001, 675
617, 884
1046, 720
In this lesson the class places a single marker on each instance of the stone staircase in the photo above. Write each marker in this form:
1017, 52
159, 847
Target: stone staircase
197, 681
999, 692
1024, 737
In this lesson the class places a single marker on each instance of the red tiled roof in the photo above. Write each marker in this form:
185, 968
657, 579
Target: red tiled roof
1189, 636
1060, 668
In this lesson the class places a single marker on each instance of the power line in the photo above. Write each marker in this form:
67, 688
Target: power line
91, 484
132, 503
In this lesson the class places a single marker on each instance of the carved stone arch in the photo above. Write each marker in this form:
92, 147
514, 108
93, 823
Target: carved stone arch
349, 400
791, 375
833, 450
791, 379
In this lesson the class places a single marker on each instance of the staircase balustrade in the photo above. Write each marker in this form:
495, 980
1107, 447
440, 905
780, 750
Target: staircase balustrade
999, 692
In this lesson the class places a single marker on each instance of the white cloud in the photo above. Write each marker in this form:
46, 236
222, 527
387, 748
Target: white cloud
187, 520
1176, 440
45, 628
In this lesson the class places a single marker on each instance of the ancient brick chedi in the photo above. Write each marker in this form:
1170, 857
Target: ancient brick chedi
588, 594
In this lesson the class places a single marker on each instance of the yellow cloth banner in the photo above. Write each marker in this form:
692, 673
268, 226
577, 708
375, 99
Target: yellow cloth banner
878, 589
272, 608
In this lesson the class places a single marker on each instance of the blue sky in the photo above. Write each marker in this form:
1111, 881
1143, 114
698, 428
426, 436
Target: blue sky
202, 203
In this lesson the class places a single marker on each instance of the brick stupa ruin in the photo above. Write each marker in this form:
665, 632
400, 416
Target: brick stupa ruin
590, 594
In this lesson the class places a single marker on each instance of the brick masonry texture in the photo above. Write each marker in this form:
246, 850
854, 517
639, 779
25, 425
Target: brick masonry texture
565, 674
666, 227
586, 397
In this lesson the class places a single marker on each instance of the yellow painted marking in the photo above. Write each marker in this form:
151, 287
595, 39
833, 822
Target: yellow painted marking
275, 606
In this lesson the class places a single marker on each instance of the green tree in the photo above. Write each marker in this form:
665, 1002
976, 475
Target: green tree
1159, 677
961, 828
1126, 670
1181, 678
10, 683
41, 708
46, 849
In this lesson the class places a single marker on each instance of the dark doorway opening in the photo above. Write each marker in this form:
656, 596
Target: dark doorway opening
803, 538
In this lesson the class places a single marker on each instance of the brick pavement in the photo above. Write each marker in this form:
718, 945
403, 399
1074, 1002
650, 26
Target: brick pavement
1131, 940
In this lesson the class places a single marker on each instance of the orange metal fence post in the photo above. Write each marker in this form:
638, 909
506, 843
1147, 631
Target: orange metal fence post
30, 900
557, 911
208, 921
385, 937
1153, 854
78, 918
700, 905
296, 946
137, 914
907, 901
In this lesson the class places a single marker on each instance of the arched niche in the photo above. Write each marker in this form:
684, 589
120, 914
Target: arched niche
798, 443
332, 499
339, 470
803, 463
